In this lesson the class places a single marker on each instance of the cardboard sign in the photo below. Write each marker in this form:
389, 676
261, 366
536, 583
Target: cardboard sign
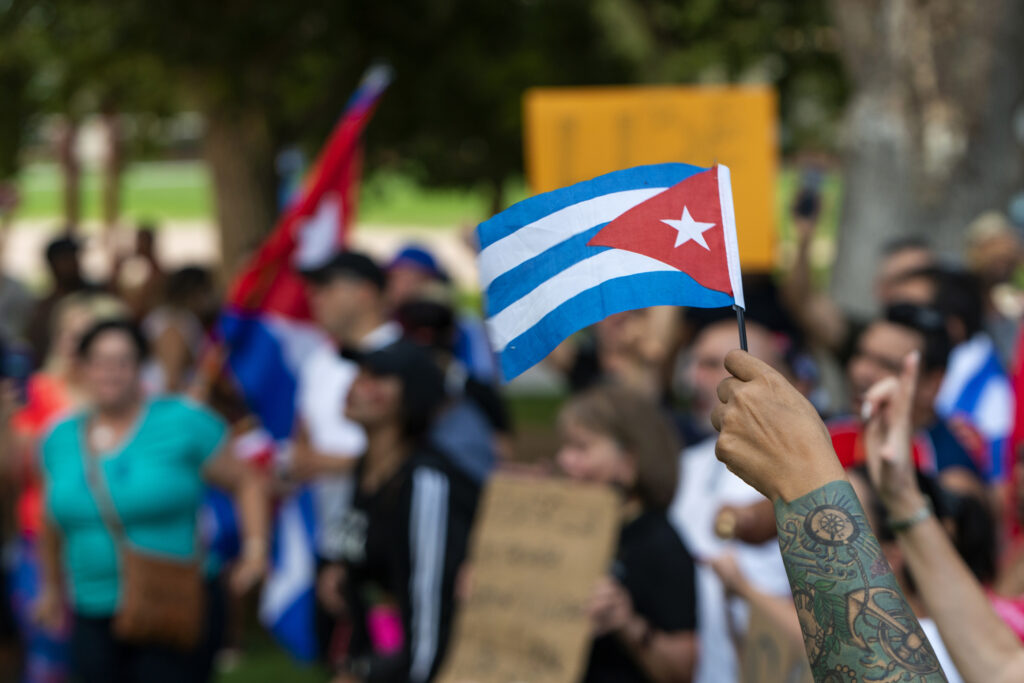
767, 655
538, 550
573, 134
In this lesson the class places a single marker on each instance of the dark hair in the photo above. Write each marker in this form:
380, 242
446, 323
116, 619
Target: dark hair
640, 428
114, 325
960, 295
931, 325
185, 282
428, 323
423, 388
899, 244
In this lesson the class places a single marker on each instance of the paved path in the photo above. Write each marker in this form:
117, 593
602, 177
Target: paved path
182, 242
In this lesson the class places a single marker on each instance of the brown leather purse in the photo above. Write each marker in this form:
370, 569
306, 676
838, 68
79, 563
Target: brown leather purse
162, 598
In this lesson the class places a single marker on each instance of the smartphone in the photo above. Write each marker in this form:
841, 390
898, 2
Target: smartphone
808, 199
16, 365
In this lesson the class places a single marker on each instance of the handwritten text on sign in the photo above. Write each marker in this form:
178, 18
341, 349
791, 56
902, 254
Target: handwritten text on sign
538, 550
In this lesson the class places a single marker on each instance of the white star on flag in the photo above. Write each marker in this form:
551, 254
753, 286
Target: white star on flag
689, 229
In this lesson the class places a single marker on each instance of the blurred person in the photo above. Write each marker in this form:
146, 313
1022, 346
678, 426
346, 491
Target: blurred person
993, 252
139, 276
393, 570
474, 428
855, 620
346, 296
939, 446
976, 387
62, 260
16, 307
644, 614
710, 500
152, 456
51, 393
413, 271
820, 317
632, 347
982, 646
176, 329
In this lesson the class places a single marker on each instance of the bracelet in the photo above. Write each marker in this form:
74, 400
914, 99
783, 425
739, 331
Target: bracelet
922, 513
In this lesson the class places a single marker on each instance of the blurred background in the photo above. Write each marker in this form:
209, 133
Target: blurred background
200, 118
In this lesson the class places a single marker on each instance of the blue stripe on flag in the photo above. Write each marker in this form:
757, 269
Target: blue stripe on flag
512, 285
294, 626
534, 208
595, 304
257, 361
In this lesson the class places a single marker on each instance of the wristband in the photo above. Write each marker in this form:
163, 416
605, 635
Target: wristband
922, 513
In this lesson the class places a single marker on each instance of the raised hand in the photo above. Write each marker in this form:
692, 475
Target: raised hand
771, 436
888, 407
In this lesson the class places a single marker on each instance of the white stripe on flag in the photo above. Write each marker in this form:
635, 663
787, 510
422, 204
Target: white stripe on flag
537, 237
526, 312
732, 247
293, 570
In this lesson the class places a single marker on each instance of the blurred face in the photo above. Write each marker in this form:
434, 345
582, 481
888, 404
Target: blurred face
896, 265
880, 353
996, 259
405, 282
111, 371
374, 401
622, 332
588, 455
705, 368
65, 268
338, 303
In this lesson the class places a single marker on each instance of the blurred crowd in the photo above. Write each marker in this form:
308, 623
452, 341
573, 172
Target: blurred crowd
121, 428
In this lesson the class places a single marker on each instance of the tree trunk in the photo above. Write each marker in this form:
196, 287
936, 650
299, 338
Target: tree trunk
239, 153
928, 140
71, 174
112, 167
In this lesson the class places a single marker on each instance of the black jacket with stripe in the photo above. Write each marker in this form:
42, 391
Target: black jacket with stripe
402, 547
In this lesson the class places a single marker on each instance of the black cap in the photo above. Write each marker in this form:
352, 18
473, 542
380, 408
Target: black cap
348, 264
423, 386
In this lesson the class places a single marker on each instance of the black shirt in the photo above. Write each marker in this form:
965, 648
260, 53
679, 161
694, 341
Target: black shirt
658, 573
402, 547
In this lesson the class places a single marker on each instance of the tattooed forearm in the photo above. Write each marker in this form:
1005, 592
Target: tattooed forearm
857, 625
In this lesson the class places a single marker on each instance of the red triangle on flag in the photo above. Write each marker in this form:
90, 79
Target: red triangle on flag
681, 227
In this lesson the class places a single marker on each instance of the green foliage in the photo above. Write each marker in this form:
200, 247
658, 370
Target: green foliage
453, 115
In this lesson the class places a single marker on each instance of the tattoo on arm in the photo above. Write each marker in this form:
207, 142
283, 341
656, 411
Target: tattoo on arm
856, 623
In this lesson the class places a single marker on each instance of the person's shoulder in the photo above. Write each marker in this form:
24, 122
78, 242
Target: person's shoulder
652, 535
428, 464
174, 407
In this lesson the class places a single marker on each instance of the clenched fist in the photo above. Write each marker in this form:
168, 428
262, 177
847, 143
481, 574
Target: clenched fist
771, 436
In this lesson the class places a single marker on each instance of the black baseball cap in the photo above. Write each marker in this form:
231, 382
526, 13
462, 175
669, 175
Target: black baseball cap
352, 264
423, 385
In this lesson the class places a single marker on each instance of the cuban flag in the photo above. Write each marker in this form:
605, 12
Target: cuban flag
266, 331
646, 236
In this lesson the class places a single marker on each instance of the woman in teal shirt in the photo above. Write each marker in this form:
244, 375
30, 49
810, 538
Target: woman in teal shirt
154, 456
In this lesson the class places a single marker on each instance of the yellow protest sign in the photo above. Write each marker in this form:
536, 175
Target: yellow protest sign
573, 134
538, 549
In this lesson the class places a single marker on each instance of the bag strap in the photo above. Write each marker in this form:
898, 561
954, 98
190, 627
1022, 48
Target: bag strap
97, 484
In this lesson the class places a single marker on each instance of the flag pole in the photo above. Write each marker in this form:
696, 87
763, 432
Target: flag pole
742, 325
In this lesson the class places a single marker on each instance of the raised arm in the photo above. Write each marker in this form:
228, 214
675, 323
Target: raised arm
856, 623
982, 646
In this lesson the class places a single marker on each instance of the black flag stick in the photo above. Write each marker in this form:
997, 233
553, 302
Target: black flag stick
743, 326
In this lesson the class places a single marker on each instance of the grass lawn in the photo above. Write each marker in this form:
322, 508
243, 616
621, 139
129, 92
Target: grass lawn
182, 190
